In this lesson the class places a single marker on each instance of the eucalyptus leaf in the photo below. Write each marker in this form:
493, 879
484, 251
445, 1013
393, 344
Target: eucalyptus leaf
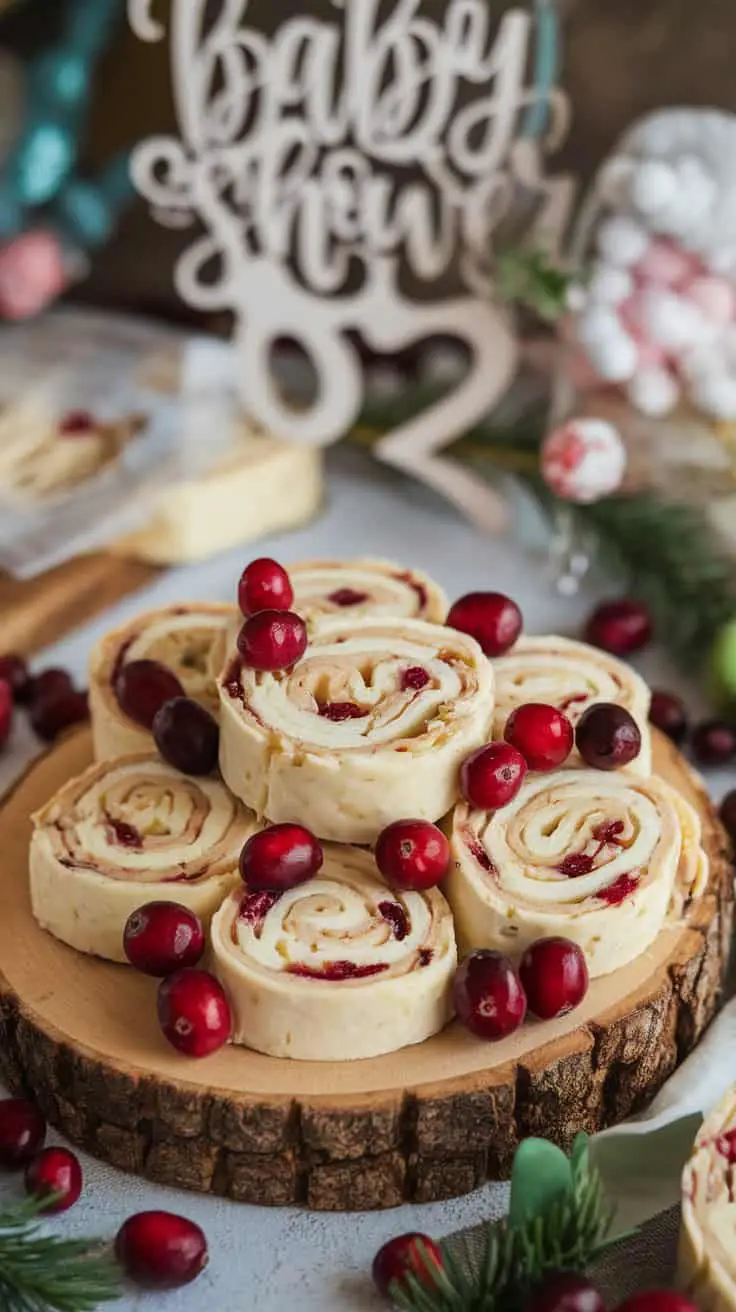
540, 1176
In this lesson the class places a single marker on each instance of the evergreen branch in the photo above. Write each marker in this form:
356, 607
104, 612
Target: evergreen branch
43, 1273
529, 279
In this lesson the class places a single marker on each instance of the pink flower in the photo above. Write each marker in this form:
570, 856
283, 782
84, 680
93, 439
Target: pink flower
32, 274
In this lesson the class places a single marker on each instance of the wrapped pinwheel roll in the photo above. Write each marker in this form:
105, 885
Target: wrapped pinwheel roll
370, 726
603, 859
571, 676
706, 1265
365, 588
128, 832
190, 640
338, 968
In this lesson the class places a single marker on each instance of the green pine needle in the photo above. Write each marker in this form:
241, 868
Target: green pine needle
529, 279
43, 1273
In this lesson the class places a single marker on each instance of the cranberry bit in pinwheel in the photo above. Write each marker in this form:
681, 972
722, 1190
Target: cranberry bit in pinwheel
280, 857
162, 937
264, 585
407, 1255
187, 736
142, 687
607, 736
555, 977
160, 1250
494, 620
412, 854
55, 1171
542, 734
272, 640
22, 1132
193, 1012
488, 994
492, 776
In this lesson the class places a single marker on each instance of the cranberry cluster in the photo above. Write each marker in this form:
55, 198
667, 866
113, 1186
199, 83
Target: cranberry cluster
157, 1249
273, 636
52, 701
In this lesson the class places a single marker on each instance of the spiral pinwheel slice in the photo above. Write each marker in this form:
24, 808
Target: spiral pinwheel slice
369, 727
365, 588
571, 676
706, 1265
602, 859
190, 639
128, 832
338, 968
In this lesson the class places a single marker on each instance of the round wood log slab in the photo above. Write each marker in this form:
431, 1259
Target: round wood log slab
429, 1122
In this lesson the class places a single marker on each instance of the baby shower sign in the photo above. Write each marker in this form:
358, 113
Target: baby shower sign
324, 163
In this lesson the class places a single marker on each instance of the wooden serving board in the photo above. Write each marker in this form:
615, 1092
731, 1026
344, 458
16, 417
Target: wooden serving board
425, 1123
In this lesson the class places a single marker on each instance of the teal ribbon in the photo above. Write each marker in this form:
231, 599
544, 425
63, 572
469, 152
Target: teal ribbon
547, 59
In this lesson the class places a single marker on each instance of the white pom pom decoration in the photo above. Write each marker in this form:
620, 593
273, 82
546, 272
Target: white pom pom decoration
654, 392
622, 241
673, 323
584, 460
609, 285
715, 394
653, 184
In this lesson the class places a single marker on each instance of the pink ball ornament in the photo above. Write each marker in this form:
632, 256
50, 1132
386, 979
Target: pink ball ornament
714, 297
32, 274
667, 265
584, 460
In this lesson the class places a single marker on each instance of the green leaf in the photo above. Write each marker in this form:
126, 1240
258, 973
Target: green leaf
541, 1174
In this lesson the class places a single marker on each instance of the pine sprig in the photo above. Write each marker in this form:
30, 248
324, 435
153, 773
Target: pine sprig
567, 1236
43, 1273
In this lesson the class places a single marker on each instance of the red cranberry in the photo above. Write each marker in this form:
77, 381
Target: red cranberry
413, 1254
565, 1292
668, 714
160, 1250
658, 1300
555, 977
264, 585
50, 683
714, 743
55, 1171
607, 737
193, 1012
187, 736
77, 422
542, 734
412, 854
22, 1132
272, 640
728, 814
619, 626
491, 777
280, 857
52, 714
161, 937
488, 994
142, 687
6, 711
13, 670
494, 620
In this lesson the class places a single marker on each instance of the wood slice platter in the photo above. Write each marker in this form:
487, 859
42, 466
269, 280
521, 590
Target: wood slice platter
425, 1123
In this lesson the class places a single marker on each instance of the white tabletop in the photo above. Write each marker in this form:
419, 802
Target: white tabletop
274, 1260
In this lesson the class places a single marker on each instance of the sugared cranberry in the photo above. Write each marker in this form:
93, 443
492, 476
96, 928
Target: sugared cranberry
6, 711
668, 714
607, 736
22, 1132
49, 683
728, 814
412, 854
565, 1292
272, 640
488, 994
280, 857
55, 1171
13, 670
658, 1300
413, 1254
142, 687
193, 1012
714, 743
542, 734
264, 585
187, 736
77, 422
52, 714
494, 620
555, 977
619, 626
162, 937
160, 1250
491, 777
